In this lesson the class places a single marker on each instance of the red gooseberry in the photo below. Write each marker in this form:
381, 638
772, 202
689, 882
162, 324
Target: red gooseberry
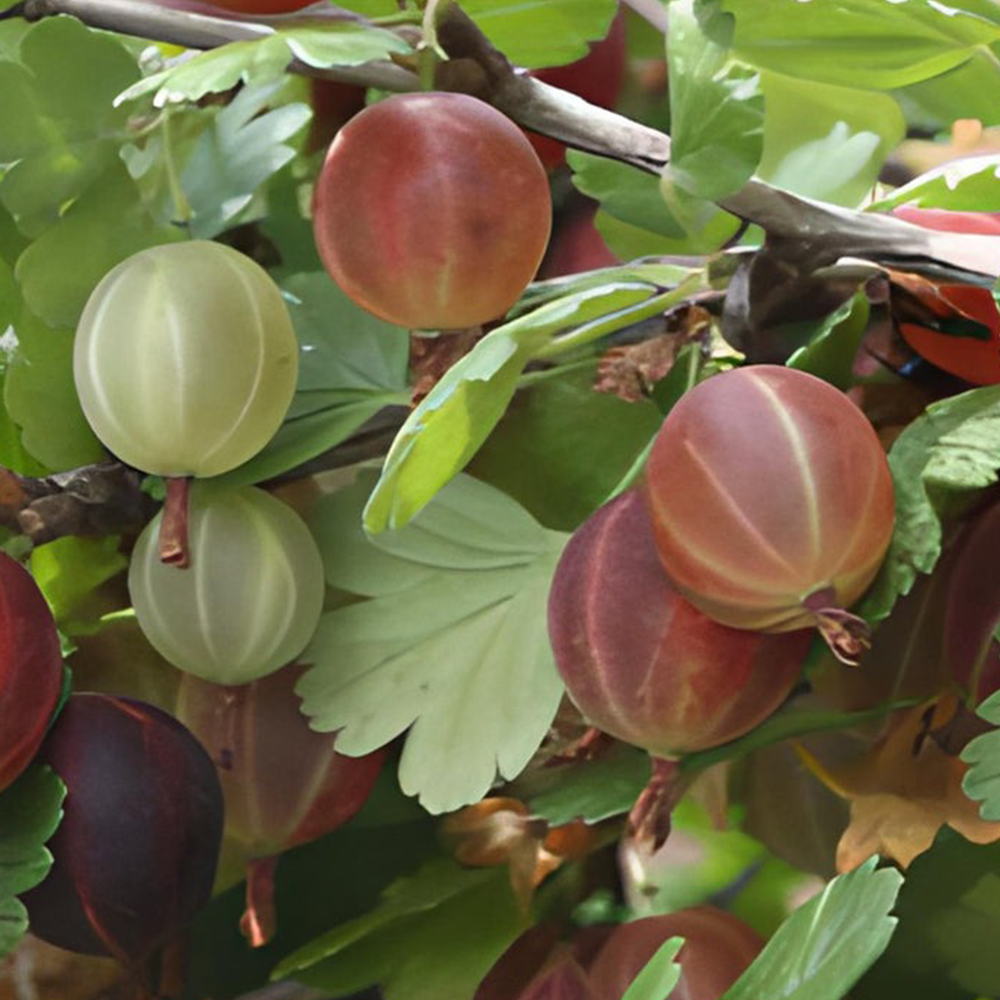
772, 502
432, 211
643, 664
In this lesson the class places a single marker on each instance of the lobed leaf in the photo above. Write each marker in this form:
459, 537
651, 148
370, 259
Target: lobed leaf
30, 811
264, 61
982, 781
39, 382
825, 946
58, 130
225, 155
716, 111
452, 643
952, 449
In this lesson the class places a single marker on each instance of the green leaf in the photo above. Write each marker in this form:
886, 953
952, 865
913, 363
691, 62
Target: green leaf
264, 61
534, 33
625, 192
824, 947
632, 198
964, 92
716, 111
950, 451
30, 811
949, 910
824, 141
541, 452
831, 352
59, 129
108, 223
343, 346
659, 975
433, 937
303, 438
13, 454
40, 397
457, 415
351, 365
225, 155
593, 790
982, 781
68, 570
453, 643
966, 184
877, 44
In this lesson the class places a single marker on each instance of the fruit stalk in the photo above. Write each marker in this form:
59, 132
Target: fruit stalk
174, 526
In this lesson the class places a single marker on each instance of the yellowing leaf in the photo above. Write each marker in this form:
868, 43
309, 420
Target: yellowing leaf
904, 790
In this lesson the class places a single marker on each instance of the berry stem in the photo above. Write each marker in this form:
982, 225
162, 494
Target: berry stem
174, 527
649, 820
260, 919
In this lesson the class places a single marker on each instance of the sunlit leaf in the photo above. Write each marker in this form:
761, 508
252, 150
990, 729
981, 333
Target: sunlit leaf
982, 782
871, 43
537, 33
716, 111
455, 417
264, 61
824, 947
452, 645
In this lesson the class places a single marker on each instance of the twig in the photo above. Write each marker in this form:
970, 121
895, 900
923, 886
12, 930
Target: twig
93, 500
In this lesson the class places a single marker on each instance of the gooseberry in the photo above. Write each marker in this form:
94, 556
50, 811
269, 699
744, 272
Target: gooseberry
717, 948
432, 210
283, 783
251, 599
185, 359
643, 664
31, 671
772, 502
136, 851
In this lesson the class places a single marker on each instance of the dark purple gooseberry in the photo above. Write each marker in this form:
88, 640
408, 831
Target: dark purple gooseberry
136, 852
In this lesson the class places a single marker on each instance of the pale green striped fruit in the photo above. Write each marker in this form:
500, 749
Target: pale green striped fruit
185, 359
251, 598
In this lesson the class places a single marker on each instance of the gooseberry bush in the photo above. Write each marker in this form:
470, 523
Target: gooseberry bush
499, 501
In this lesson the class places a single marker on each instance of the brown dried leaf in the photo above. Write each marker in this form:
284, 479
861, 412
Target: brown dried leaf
905, 789
500, 831
630, 371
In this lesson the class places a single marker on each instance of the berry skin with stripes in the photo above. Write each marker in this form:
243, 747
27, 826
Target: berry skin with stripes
771, 499
639, 661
